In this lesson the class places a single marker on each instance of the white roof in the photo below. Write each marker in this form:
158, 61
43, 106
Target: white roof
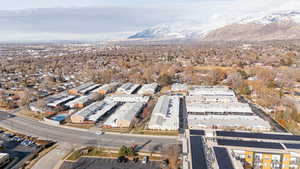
125, 112
83, 86
219, 108
90, 88
79, 100
210, 90
127, 98
94, 111
106, 87
148, 89
57, 96
165, 115
209, 99
61, 100
207, 121
128, 88
107, 107
179, 87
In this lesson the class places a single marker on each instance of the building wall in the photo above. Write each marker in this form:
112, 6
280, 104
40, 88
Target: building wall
123, 123
286, 161
102, 92
77, 119
267, 160
73, 92
248, 159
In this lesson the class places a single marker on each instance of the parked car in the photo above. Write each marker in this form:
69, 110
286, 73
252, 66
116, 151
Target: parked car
145, 160
99, 133
165, 163
135, 160
122, 159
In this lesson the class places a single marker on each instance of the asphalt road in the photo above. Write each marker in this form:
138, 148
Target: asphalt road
34, 128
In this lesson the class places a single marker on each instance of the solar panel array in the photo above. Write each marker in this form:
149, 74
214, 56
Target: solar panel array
258, 135
197, 132
292, 146
223, 158
197, 153
252, 144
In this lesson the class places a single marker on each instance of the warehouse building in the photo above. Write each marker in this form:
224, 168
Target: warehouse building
228, 122
218, 107
210, 91
81, 89
89, 89
128, 88
57, 96
148, 89
133, 98
93, 112
60, 101
225, 116
105, 89
210, 98
81, 101
178, 88
214, 108
124, 115
165, 115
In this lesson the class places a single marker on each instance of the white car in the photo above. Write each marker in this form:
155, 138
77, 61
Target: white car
145, 160
99, 133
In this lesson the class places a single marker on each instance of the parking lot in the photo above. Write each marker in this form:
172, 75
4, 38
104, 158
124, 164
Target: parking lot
106, 163
19, 149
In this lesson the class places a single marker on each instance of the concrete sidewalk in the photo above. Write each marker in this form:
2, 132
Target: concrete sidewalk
54, 158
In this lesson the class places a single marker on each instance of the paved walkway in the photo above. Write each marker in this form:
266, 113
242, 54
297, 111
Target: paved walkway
54, 157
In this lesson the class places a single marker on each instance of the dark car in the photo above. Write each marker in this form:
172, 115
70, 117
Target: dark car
135, 160
121, 159
165, 163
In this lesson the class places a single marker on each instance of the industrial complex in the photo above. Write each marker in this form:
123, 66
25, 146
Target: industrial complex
220, 130
201, 107
219, 108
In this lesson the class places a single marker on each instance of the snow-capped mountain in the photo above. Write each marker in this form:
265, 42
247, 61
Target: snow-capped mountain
274, 26
279, 25
179, 30
273, 18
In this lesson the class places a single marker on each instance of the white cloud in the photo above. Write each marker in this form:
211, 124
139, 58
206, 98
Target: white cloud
116, 18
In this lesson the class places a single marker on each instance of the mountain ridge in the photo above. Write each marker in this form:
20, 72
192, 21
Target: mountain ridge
276, 25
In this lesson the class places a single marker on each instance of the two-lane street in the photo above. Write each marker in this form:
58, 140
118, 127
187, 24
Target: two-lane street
37, 129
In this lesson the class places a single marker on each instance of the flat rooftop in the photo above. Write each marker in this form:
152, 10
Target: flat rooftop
207, 121
251, 144
223, 158
198, 153
264, 136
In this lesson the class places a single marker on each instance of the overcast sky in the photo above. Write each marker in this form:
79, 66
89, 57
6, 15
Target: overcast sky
114, 19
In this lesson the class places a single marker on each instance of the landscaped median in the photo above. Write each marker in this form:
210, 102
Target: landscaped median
155, 132
109, 153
